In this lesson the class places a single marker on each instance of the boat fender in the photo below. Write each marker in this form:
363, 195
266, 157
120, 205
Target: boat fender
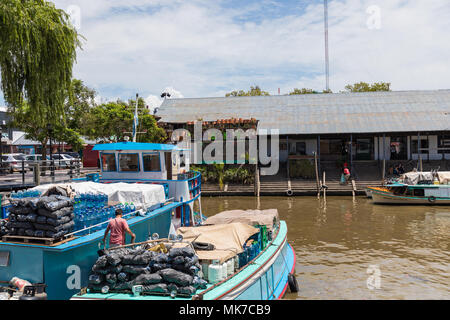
289, 192
293, 285
432, 199
203, 246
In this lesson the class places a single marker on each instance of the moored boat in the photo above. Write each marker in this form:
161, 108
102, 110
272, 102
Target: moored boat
266, 276
64, 265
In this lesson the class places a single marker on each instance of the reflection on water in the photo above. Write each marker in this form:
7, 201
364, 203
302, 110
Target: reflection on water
336, 242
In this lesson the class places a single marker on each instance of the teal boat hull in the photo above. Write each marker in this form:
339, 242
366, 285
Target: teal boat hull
65, 268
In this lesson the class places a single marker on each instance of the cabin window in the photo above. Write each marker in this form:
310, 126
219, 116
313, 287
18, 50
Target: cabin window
152, 162
109, 162
129, 162
419, 192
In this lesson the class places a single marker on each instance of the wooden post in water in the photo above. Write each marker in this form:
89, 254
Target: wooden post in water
324, 188
384, 158
353, 188
317, 175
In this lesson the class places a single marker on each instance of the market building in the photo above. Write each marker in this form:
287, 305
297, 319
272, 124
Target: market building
357, 128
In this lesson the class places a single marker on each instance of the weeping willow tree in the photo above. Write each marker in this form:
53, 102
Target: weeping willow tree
37, 51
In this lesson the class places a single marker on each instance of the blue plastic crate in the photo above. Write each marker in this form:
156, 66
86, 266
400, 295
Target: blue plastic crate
5, 211
95, 177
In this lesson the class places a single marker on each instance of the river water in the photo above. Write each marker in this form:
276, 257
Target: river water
353, 249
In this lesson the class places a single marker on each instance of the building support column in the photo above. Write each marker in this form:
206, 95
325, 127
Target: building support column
318, 152
351, 152
384, 156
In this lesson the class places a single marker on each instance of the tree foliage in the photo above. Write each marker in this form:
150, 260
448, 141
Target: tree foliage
254, 91
37, 51
365, 87
302, 91
36, 128
114, 120
79, 102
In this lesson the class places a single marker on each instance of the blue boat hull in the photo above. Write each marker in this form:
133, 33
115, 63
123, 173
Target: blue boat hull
65, 268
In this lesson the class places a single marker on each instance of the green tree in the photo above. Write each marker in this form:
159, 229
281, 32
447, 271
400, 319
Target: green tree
79, 102
114, 120
37, 51
365, 87
254, 91
302, 91
36, 127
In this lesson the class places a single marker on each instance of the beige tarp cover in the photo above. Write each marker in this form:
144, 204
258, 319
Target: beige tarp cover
227, 238
413, 178
251, 217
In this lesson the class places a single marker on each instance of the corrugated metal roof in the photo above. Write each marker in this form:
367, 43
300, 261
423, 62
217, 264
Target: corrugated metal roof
367, 112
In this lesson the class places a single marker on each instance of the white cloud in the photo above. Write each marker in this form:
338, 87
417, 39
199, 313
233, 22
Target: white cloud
201, 49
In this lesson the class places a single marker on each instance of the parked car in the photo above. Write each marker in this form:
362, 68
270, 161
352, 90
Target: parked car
75, 155
13, 162
64, 160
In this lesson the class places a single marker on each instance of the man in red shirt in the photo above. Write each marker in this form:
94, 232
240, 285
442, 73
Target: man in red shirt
118, 226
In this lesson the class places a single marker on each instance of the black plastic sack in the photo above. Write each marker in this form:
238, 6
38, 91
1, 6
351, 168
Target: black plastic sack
55, 235
190, 261
135, 269
62, 220
39, 234
21, 232
101, 262
188, 291
160, 266
111, 278
56, 203
113, 259
160, 258
160, 288
33, 203
20, 210
95, 278
97, 287
31, 217
185, 252
177, 277
12, 217
22, 225
55, 214
116, 269
199, 283
146, 279
55, 229
21, 218
29, 232
41, 220
143, 259
122, 286
123, 277
178, 260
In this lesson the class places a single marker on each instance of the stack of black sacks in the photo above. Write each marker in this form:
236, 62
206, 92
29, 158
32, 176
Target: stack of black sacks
158, 273
3, 228
43, 217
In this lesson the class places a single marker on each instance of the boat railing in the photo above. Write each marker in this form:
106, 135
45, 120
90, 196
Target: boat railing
89, 229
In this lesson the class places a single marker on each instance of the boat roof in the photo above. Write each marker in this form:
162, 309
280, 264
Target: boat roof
120, 146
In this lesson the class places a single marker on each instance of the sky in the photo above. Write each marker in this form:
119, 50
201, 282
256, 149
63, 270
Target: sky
204, 48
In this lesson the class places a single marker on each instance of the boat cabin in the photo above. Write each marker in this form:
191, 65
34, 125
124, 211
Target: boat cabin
136, 160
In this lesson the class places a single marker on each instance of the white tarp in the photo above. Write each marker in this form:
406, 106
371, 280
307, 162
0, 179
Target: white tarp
141, 195
413, 178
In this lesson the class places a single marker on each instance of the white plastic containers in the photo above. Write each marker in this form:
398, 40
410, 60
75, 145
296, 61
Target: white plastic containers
215, 272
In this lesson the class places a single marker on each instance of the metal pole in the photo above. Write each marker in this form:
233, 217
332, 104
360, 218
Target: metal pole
419, 151
23, 172
384, 157
327, 63
318, 152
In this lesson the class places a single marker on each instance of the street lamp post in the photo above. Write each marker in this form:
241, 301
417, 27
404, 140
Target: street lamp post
50, 132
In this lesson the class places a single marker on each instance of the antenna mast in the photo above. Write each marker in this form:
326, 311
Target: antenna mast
327, 63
